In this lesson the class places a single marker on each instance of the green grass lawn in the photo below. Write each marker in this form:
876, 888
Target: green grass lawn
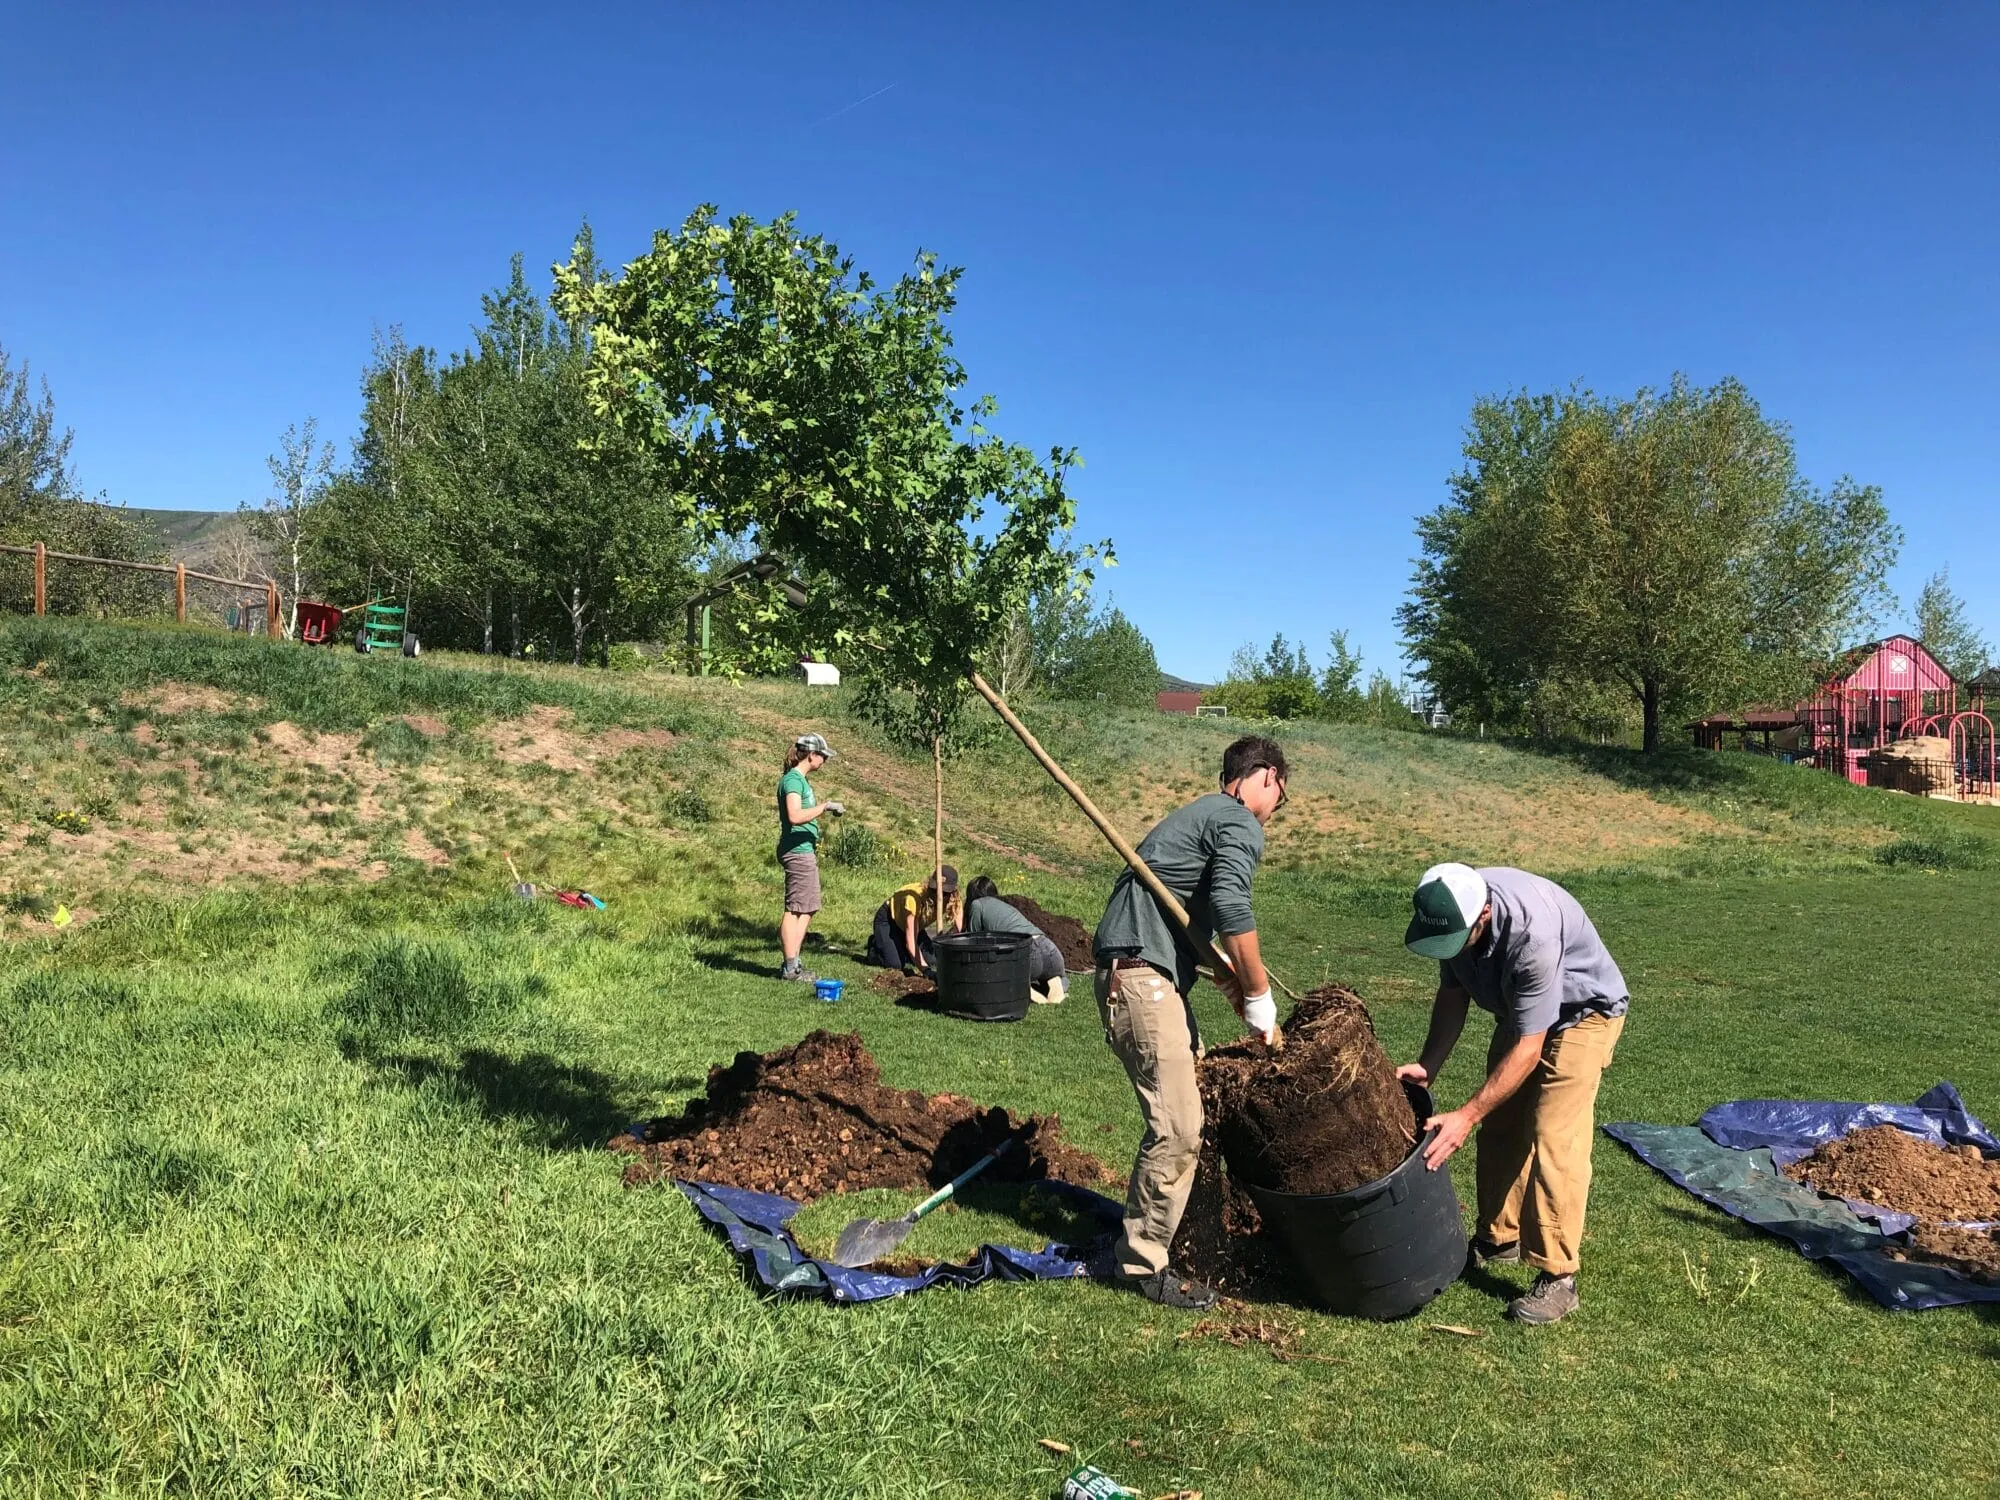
303, 1192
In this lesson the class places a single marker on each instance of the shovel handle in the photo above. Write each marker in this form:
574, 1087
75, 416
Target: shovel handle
962, 1179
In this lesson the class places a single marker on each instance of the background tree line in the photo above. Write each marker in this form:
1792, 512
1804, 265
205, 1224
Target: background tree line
1652, 557
1281, 683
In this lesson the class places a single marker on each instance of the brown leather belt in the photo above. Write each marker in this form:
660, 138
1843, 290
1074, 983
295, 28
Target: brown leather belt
1132, 963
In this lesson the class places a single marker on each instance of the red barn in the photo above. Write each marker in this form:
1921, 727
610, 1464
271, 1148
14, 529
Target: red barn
1877, 694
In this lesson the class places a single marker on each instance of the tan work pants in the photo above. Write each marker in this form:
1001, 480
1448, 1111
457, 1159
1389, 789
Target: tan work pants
1534, 1150
1152, 1030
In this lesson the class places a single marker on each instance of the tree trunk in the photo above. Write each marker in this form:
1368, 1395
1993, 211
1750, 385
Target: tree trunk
576, 625
514, 626
1649, 699
486, 622
937, 824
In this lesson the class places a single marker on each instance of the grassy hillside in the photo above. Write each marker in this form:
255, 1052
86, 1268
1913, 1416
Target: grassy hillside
302, 1186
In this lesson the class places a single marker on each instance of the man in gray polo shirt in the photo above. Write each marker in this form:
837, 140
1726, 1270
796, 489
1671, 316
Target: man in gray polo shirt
1519, 947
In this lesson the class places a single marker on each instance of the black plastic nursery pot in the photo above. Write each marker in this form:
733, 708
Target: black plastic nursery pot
1381, 1250
983, 975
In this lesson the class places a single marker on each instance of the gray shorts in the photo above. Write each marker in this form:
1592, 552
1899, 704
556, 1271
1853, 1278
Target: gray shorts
801, 882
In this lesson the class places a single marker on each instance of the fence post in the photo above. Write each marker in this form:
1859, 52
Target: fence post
271, 608
41, 578
180, 593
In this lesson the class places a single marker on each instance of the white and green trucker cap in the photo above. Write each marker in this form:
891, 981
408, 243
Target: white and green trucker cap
814, 744
1449, 900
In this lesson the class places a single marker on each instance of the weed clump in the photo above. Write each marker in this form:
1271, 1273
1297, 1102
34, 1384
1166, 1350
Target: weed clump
686, 807
855, 846
418, 989
1945, 853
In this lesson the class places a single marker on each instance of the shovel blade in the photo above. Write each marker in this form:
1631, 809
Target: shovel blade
867, 1240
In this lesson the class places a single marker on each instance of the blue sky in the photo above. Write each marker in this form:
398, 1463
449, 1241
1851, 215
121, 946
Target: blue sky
1255, 264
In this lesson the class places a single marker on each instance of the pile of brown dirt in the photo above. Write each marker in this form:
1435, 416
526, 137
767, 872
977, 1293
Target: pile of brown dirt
1970, 1252
1069, 935
815, 1118
1324, 1115
1943, 1186
1893, 1169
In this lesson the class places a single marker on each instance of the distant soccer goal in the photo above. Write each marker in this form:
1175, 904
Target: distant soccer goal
1211, 711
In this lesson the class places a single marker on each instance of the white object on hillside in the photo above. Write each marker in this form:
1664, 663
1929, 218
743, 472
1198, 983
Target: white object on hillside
820, 674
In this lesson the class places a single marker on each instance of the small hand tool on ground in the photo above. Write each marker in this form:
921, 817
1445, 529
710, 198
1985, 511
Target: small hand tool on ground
868, 1240
521, 887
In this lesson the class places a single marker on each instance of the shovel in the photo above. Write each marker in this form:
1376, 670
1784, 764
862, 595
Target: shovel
868, 1240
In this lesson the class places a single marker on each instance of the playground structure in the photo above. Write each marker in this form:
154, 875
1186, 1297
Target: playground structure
1892, 690
1886, 694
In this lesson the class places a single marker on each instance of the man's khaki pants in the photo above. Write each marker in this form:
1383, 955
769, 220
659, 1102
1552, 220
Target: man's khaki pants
1534, 1150
1152, 1029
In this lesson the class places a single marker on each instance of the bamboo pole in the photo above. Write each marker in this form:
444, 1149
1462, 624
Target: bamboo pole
1169, 902
41, 578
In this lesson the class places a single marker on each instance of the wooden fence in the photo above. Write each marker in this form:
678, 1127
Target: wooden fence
181, 574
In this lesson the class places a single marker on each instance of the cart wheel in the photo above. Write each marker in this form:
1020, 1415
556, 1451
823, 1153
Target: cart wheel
411, 645
361, 640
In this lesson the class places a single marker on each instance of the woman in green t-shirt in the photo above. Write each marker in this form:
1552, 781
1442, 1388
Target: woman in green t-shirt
798, 845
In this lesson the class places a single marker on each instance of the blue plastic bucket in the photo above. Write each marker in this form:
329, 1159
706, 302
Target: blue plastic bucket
828, 989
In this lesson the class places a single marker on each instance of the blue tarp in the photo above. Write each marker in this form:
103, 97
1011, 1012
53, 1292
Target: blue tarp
756, 1224
1731, 1160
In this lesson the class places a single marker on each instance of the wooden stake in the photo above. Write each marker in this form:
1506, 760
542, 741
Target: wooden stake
41, 578
270, 609
1169, 902
937, 826
180, 593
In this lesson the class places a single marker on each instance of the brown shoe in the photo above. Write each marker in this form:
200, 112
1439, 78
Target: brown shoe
1482, 1253
1549, 1300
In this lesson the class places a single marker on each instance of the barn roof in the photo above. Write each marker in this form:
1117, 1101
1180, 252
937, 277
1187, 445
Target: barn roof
1875, 666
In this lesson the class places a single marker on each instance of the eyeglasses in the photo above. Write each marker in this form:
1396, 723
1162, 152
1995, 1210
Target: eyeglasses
1283, 795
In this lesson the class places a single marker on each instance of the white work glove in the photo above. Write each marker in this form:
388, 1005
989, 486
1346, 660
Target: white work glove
1260, 1013
836, 808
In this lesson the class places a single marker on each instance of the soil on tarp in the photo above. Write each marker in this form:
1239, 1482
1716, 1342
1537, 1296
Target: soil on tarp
816, 1118
1945, 1187
1324, 1115
1970, 1252
1893, 1169
1071, 937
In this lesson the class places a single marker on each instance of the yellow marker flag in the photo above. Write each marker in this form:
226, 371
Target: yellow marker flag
61, 918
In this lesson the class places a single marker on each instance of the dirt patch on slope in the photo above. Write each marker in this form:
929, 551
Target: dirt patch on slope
542, 736
816, 1118
1069, 935
1325, 1115
188, 698
327, 751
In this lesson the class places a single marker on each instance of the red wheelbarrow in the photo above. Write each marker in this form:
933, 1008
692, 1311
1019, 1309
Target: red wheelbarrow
319, 624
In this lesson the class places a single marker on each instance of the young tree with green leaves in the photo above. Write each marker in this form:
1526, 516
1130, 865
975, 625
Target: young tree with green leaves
787, 395
1946, 631
40, 502
300, 471
1663, 545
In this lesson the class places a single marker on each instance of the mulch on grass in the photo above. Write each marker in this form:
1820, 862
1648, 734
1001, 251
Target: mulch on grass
816, 1118
1069, 935
1324, 1115
1942, 1186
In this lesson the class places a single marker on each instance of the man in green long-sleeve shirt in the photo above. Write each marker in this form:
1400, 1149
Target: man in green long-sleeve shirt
1205, 854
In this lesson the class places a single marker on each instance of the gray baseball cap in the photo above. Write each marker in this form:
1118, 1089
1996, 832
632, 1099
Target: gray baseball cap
815, 744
